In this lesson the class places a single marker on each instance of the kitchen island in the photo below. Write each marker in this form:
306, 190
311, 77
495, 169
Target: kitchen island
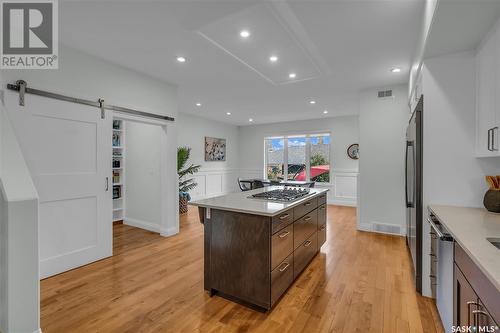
254, 248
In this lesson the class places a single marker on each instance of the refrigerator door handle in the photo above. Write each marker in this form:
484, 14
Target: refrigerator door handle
409, 204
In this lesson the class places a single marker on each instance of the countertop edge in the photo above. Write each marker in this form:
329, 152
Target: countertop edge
484, 270
252, 212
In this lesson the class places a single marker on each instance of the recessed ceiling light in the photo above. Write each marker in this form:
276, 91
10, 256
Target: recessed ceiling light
198, 104
395, 70
245, 33
273, 58
292, 75
228, 113
181, 59
325, 112
250, 119
312, 102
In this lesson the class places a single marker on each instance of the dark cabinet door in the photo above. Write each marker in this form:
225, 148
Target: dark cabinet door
465, 301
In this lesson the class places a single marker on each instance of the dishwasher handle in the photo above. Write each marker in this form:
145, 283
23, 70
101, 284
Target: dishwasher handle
442, 236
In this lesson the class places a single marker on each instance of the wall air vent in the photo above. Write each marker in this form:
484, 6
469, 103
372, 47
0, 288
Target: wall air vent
384, 93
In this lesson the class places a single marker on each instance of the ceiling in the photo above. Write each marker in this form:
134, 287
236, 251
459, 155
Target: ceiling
460, 25
336, 49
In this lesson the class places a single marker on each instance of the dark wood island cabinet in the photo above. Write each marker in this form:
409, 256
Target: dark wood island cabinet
254, 252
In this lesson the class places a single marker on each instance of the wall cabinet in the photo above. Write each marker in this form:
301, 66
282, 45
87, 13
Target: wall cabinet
488, 95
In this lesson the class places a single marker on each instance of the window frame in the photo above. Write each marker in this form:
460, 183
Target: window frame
307, 136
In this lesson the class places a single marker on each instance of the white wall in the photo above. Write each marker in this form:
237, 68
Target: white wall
214, 178
382, 127
451, 173
344, 132
416, 64
84, 76
142, 175
19, 284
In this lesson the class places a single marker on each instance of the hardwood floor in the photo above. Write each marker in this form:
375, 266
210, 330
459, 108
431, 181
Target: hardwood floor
360, 282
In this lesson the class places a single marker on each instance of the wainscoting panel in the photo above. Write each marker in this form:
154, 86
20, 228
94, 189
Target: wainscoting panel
215, 182
342, 189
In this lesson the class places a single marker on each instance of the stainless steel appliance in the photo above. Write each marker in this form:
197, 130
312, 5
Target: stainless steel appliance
413, 188
287, 194
442, 270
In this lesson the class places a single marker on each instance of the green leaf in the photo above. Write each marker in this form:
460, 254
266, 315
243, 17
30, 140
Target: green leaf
183, 154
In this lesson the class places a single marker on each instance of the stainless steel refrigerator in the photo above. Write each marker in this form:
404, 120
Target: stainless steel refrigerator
413, 188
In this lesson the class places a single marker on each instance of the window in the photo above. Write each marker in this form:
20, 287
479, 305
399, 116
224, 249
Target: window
275, 157
298, 157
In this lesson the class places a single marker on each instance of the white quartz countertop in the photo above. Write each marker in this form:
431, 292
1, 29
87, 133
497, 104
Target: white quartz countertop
470, 227
240, 202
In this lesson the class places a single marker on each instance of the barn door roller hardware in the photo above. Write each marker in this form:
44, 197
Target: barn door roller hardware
22, 87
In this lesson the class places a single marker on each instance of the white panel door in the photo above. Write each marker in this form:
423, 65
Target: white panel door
67, 148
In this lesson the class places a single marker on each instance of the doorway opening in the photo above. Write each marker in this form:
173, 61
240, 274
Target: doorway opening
138, 169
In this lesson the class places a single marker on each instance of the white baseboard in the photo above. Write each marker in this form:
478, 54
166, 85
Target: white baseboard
142, 224
342, 203
167, 232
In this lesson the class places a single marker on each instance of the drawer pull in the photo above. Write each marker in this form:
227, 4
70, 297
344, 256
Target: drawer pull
307, 243
307, 218
282, 269
322, 196
323, 227
282, 217
322, 207
283, 235
307, 203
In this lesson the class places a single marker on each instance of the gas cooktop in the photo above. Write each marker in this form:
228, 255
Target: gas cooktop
287, 194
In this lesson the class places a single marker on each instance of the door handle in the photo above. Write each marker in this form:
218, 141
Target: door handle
469, 304
282, 269
489, 140
283, 235
107, 184
493, 148
478, 313
408, 203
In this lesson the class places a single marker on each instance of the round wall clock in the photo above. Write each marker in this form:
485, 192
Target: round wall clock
353, 151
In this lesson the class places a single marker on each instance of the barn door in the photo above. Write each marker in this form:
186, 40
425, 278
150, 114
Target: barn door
67, 148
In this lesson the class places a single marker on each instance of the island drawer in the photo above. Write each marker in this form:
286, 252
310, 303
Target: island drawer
281, 278
281, 245
282, 220
321, 235
322, 199
304, 253
304, 227
305, 207
322, 214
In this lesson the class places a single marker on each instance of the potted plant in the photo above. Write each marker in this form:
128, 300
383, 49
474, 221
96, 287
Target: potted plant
185, 185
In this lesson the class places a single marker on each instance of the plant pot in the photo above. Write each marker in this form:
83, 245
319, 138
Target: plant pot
183, 205
492, 201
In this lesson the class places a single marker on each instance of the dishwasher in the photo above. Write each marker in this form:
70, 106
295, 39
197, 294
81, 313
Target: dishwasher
441, 272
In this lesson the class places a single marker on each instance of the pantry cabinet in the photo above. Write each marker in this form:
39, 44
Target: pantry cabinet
488, 95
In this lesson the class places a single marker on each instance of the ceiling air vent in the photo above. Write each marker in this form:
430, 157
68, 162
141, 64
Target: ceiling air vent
385, 93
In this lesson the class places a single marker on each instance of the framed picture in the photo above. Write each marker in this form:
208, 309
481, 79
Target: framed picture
215, 149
